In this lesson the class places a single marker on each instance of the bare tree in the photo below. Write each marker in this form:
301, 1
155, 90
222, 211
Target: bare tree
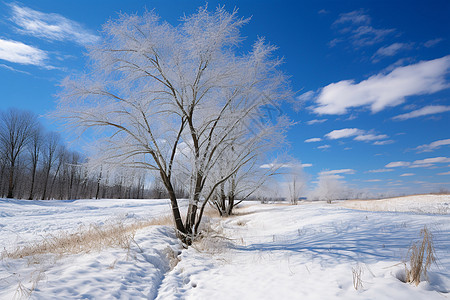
296, 182
50, 157
16, 129
34, 151
175, 98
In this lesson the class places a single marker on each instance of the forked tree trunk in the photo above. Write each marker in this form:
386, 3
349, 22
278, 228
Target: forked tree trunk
180, 228
193, 206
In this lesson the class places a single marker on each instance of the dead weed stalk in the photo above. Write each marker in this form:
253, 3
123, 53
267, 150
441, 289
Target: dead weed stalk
421, 257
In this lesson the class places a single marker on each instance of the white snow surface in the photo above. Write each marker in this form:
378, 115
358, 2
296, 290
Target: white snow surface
267, 251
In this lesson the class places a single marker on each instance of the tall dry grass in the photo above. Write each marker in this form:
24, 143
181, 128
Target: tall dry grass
421, 257
86, 239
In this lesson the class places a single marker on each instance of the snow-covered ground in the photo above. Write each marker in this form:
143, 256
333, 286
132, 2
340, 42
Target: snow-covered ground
268, 251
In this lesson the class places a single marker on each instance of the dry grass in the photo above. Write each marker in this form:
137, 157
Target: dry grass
421, 257
357, 281
211, 239
87, 239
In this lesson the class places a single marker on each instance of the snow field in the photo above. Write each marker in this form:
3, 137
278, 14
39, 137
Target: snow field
270, 251
308, 251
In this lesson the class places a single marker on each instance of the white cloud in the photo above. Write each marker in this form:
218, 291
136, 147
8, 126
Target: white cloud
21, 53
316, 121
312, 140
356, 27
13, 69
370, 137
334, 172
343, 133
433, 146
275, 166
423, 163
361, 135
354, 17
390, 50
432, 43
407, 174
367, 35
380, 170
284, 165
324, 147
432, 160
50, 26
306, 96
424, 111
445, 173
396, 164
385, 90
380, 143
372, 180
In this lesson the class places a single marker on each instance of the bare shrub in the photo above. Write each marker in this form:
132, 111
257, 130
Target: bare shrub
357, 281
211, 240
421, 257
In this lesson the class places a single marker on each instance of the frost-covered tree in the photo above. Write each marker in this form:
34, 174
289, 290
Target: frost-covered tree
330, 187
175, 98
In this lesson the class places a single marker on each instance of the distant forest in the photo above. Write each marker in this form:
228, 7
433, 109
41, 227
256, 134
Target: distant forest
36, 164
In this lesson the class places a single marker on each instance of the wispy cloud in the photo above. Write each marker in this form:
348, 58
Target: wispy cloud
445, 173
424, 111
49, 26
407, 174
380, 170
316, 121
284, 165
396, 164
358, 134
343, 133
306, 96
433, 146
355, 27
422, 163
433, 42
17, 52
13, 69
370, 137
354, 17
313, 140
381, 143
334, 172
324, 147
390, 50
385, 90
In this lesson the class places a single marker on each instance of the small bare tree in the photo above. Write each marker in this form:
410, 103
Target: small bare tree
168, 98
296, 182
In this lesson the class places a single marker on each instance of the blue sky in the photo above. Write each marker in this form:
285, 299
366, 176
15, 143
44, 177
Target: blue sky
372, 77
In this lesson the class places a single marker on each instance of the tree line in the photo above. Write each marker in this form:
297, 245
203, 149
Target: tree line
36, 164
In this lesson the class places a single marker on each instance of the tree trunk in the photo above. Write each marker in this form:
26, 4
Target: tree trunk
11, 182
33, 178
181, 229
193, 206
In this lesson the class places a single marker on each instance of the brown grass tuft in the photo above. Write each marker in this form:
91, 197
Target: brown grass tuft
421, 257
